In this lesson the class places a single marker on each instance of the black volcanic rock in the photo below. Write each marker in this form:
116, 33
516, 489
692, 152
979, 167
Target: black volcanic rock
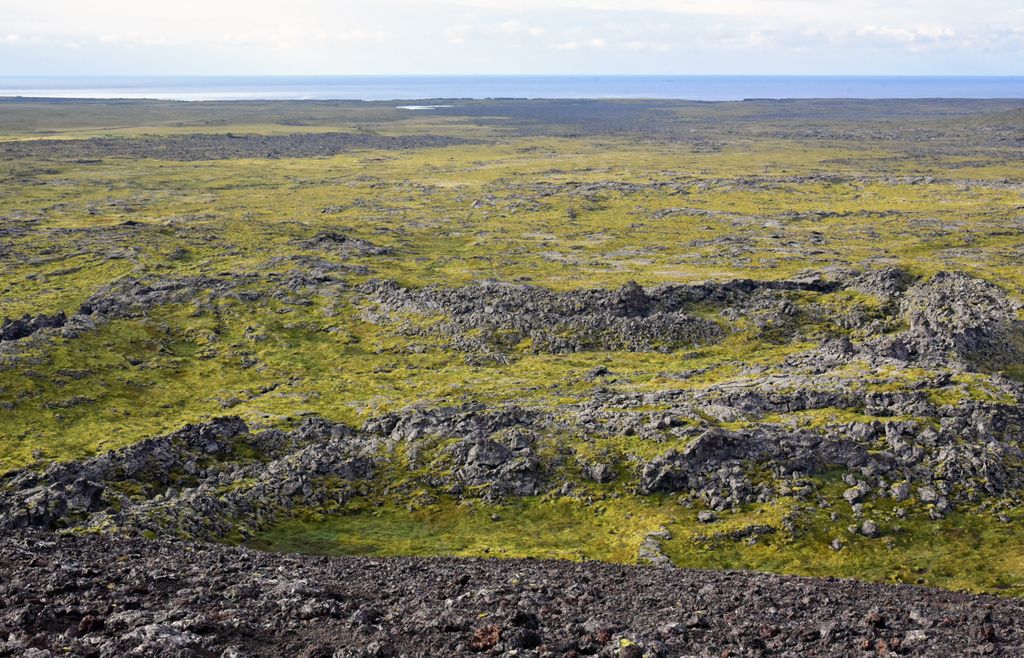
104, 595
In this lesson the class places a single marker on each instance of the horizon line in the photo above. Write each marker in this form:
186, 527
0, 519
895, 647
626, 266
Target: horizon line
510, 75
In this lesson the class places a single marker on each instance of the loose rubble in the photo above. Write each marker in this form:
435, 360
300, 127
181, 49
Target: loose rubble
108, 596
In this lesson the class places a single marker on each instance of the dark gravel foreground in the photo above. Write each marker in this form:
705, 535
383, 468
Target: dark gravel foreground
109, 596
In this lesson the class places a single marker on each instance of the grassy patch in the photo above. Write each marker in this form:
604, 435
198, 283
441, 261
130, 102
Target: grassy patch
564, 529
968, 550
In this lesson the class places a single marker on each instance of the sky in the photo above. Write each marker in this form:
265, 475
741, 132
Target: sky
445, 37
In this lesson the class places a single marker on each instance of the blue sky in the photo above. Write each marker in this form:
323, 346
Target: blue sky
195, 37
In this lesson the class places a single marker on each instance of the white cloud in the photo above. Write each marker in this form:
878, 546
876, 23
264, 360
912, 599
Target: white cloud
920, 33
648, 46
524, 36
696, 7
517, 27
596, 43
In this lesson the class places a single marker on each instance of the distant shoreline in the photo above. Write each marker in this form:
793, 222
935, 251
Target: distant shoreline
404, 88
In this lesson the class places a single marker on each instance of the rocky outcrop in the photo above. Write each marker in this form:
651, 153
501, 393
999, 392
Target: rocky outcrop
975, 450
131, 296
955, 317
344, 245
191, 482
217, 479
493, 455
950, 318
714, 463
887, 283
469, 421
28, 325
493, 317
503, 470
250, 497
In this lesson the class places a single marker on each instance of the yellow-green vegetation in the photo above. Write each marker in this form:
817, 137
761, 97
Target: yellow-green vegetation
266, 323
967, 550
554, 529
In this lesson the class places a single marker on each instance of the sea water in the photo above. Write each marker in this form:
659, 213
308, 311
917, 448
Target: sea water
380, 88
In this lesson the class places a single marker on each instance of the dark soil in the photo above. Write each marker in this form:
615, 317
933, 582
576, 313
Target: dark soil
109, 596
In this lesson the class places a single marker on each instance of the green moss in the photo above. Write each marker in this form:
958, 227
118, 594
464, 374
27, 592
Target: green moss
565, 529
967, 550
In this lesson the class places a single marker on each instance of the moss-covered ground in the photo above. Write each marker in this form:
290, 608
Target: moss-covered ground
965, 551
556, 197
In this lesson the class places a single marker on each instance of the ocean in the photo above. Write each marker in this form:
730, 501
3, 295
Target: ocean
387, 88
